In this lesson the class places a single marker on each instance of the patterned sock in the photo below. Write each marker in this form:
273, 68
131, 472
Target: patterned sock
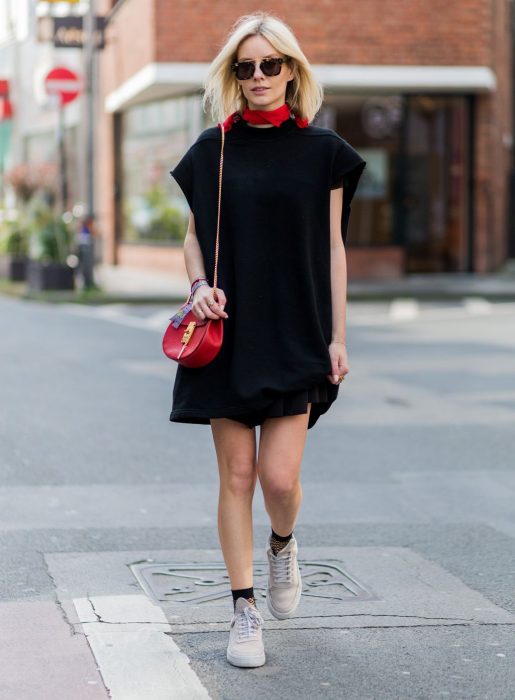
247, 593
277, 542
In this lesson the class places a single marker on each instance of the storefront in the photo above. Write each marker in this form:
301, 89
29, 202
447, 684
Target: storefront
411, 212
414, 197
154, 136
431, 116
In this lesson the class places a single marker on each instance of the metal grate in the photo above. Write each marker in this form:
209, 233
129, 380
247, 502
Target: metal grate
197, 583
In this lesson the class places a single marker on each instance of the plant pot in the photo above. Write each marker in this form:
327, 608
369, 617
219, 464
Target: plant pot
13, 267
45, 276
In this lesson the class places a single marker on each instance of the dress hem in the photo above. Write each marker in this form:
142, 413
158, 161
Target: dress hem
318, 395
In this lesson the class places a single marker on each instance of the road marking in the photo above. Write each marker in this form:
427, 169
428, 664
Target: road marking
404, 309
160, 320
398, 311
115, 313
477, 306
136, 656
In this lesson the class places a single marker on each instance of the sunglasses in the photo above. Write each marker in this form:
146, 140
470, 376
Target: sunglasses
268, 66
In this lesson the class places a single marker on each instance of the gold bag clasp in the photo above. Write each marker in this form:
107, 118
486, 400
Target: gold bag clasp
188, 332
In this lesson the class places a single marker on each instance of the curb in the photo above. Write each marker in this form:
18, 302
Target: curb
98, 297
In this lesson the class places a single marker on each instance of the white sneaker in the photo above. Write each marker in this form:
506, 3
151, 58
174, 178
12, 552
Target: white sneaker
284, 581
245, 647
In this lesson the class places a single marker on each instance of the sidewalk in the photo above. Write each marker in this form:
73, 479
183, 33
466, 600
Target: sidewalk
144, 285
140, 283
126, 285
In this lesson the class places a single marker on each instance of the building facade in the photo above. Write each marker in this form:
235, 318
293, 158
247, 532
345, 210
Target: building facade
423, 90
26, 56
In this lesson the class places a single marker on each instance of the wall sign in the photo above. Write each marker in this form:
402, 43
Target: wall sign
69, 32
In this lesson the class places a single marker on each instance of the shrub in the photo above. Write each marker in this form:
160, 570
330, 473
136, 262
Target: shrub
14, 240
50, 239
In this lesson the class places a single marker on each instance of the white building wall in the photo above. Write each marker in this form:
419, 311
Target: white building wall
24, 61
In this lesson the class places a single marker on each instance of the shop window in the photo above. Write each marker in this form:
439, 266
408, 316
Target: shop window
372, 126
154, 137
413, 192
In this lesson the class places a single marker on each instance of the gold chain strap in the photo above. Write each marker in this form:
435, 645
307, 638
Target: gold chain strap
215, 278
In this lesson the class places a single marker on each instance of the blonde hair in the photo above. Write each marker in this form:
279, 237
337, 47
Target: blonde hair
222, 95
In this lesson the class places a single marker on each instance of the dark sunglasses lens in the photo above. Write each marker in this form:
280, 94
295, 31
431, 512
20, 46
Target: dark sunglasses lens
271, 66
245, 70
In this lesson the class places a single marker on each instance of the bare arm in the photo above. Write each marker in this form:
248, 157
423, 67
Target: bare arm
194, 262
192, 254
337, 348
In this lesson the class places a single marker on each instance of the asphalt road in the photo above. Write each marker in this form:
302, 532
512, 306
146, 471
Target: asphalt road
409, 486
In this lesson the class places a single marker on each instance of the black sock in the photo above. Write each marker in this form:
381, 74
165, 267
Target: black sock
247, 593
278, 542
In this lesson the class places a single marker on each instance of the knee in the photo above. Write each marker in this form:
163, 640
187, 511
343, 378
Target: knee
280, 487
239, 478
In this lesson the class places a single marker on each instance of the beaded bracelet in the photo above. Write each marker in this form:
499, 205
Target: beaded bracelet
202, 277
187, 306
198, 283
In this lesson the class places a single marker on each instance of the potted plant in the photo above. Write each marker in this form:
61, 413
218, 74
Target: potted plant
49, 248
13, 251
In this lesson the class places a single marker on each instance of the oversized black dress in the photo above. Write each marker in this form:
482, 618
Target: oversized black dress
274, 267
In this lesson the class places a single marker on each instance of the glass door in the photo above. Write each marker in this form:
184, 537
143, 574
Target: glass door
433, 162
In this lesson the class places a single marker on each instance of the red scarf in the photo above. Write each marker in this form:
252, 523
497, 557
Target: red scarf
261, 116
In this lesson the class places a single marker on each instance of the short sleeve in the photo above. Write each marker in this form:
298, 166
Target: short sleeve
183, 175
348, 167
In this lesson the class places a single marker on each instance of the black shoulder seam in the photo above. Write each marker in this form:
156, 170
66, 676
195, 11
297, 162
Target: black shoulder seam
208, 134
318, 132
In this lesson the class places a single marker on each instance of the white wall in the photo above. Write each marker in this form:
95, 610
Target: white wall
24, 61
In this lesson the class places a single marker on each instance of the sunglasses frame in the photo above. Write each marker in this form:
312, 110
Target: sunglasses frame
280, 60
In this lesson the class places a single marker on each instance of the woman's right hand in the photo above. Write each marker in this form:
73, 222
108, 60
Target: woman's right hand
200, 306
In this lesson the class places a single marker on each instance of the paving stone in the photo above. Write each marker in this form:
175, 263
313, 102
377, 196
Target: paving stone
407, 589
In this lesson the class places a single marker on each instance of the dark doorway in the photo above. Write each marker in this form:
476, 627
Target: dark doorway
432, 213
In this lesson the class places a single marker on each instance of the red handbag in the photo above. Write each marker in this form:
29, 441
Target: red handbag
188, 340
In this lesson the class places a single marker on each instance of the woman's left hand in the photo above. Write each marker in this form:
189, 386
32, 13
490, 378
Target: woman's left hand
339, 362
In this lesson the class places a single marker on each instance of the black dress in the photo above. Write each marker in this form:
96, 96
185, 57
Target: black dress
274, 267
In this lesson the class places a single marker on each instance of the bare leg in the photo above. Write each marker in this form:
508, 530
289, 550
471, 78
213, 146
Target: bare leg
235, 446
281, 446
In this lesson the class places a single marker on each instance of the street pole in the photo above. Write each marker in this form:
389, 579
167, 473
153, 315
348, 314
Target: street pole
89, 71
63, 174
511, 186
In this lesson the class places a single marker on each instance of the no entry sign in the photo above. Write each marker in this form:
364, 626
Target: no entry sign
63, 83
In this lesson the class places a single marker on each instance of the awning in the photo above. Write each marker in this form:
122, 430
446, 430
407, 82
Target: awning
159, 80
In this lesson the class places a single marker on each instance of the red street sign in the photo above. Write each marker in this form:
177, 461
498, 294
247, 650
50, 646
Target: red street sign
64, 83
6, 109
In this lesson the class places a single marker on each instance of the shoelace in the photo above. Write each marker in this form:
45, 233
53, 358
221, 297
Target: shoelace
282, 568
249, 621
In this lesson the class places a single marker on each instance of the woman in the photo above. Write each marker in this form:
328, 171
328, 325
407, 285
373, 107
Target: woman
287, 188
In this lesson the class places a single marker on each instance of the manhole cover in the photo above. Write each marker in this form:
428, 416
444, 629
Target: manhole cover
203, 583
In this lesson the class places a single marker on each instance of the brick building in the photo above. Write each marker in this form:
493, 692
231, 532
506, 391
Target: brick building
422, 89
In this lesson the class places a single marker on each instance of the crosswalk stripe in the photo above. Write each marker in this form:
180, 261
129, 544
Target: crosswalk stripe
136, 656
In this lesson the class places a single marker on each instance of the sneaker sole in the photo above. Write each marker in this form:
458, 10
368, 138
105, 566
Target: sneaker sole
284, 615
246, 661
